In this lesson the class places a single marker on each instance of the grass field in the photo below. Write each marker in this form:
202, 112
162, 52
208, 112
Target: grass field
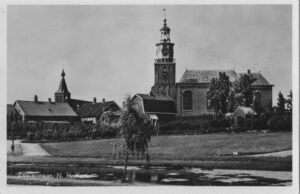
182, 147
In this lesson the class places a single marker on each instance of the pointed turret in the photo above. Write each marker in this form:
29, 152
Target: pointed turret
62, 94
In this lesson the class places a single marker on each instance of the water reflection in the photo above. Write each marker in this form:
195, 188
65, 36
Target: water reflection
155, 175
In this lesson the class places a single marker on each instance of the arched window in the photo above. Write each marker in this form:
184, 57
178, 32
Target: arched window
187, 100
165, 72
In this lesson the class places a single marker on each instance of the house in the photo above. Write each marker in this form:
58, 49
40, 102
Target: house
156, 107
41, 111
91, 112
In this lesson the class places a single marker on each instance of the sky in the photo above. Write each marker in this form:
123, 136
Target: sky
108, 51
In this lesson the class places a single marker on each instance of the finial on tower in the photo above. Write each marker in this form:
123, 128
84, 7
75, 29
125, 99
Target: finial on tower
63, 73
165, 20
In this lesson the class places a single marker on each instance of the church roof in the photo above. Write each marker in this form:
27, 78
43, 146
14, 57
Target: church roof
158, 104
40, 108
205, 76
260, 80
95, 109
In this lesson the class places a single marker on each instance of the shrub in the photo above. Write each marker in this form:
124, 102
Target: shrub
280, 123
259, 123
218, 125
37, 136
30, 136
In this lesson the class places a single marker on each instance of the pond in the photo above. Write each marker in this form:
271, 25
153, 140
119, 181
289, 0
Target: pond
156, 175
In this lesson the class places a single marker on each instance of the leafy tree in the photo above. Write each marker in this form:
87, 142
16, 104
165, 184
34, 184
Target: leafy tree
289, 102
244, 90
219, 92
280, 104
256, 103
135, 130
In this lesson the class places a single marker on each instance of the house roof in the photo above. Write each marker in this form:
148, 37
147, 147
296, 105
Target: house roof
158, 104
76, 104
95, 109
242, 110
205, 76
40, 108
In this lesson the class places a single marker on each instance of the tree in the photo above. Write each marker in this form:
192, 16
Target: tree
244, 90
289, 102
135, 130
219, 92
280, 104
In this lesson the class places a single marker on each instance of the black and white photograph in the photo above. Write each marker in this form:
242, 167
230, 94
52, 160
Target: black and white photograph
151, 95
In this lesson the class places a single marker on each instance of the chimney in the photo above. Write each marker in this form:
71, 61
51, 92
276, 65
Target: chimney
248, 71
49, 99
103, 101
35, 98
94, 100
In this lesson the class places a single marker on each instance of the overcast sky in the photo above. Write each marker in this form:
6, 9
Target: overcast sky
108, 51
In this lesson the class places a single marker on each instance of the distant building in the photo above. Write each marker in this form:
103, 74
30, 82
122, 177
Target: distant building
39, 111
91, 112
162, 107
190, 94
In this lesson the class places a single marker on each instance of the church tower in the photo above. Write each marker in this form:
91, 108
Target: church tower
164, 66
62, 94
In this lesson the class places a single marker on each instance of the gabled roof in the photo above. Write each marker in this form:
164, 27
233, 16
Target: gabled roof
260, 80
76, 104
158, 104
95, 109
39, 108
205, 76
243, 111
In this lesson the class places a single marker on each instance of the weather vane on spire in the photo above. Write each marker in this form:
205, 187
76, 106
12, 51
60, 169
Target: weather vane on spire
165, 20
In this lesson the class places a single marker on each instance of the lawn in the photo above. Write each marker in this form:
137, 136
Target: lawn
182, 147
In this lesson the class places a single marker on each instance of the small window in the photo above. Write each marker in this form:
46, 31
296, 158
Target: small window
187, 100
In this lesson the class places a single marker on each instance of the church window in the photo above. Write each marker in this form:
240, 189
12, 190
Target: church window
187, 100
165, 71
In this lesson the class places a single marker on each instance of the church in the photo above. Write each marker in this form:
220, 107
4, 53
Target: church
189, 95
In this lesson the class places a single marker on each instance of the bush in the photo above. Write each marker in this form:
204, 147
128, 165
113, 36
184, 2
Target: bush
280, 123
259, 123
218, 125
30, 136
37, 136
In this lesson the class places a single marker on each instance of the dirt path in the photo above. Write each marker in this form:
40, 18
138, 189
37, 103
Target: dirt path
28, 149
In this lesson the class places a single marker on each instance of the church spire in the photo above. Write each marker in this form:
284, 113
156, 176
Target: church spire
62, 94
